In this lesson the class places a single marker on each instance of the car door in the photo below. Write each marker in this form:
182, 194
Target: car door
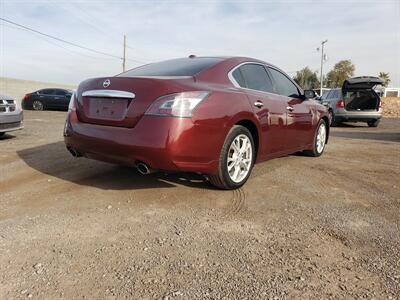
47, 97
267, 106
62, 98
299, 111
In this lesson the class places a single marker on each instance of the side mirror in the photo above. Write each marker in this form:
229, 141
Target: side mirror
309, 94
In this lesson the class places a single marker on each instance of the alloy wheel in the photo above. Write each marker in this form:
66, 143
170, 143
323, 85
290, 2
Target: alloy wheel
240, 156
37, 105
321, 138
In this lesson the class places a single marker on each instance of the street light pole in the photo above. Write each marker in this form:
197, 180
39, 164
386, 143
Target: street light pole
124, 57
322, 62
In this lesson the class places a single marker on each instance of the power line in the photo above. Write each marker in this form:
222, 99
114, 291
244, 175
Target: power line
53, 43
60, 40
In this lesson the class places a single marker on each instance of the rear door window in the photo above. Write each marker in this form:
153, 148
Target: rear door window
255, 77
47, 92
283, 85
60, 92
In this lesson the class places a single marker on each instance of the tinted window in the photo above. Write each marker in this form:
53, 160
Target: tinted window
283, 85
256, 77
326, 95
238, 76
174, 67
61, 92
336, 94
47, 92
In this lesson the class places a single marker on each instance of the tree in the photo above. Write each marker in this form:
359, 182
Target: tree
340, 72
307, 79
385, 77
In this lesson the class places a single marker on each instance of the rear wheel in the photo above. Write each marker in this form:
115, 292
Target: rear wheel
319, 140
37, 105
236, 160
373, 123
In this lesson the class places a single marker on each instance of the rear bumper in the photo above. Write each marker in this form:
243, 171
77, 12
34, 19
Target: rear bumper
11, 121
358, 116
164, 143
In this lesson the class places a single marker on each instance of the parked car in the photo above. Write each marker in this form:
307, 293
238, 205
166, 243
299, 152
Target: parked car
11, 115
57, 99
210, 115
356, 101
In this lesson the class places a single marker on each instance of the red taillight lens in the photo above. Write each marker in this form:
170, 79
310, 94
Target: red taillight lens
26, 97
72, 105
381, 103
177, 105
340, 104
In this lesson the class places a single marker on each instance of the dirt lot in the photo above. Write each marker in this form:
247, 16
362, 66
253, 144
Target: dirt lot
301, 227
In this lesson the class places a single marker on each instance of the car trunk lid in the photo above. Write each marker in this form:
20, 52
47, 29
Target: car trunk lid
362, 82
122, 101
358, 93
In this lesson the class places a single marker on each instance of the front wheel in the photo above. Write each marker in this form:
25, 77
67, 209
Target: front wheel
236, 159
319, 140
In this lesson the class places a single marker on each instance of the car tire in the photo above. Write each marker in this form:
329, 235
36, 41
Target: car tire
320, 135
2, 133
37, 105
373, 123
236, 160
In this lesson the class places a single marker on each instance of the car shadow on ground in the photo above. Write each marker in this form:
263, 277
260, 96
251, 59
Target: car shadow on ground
54, 160
7, 136
363, 135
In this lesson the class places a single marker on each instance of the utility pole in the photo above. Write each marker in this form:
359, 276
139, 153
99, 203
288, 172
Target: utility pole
124, 57
322, 63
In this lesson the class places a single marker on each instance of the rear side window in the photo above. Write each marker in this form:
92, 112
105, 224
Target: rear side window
255, 77
283, 85
174, 67
238, 76
61, 92
47, 92
335, 94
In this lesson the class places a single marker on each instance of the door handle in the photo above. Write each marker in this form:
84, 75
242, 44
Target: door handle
289, 108
258, 104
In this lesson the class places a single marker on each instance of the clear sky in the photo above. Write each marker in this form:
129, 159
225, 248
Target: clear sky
285, 33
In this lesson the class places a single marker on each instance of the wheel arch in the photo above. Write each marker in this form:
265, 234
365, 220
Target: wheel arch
326, 120
251, 126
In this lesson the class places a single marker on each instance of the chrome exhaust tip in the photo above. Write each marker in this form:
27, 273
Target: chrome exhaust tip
144, 169
74, 152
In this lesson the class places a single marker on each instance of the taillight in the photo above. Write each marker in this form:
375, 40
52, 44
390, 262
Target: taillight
381, 103
340, 104
177, 105
72, 105
26, 96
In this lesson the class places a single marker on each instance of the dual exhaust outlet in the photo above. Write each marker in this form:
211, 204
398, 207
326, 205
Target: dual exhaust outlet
142, 167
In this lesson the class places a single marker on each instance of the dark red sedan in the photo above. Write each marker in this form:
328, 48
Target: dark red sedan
211, 115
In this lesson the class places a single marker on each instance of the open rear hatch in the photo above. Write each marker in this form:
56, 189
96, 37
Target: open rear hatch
122, 101
358, 93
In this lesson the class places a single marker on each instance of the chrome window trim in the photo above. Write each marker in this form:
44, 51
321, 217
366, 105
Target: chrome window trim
108, 94
236, 84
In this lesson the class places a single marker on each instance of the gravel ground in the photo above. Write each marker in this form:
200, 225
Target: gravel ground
316, 228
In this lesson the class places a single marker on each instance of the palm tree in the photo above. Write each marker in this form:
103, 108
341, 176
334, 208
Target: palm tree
385, 77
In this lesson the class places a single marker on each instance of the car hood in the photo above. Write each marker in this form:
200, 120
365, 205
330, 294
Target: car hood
362, 82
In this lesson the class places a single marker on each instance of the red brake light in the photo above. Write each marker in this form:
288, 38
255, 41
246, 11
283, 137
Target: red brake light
26, 97
340, 104
381, 103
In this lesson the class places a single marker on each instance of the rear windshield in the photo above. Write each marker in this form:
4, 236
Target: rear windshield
174, 67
